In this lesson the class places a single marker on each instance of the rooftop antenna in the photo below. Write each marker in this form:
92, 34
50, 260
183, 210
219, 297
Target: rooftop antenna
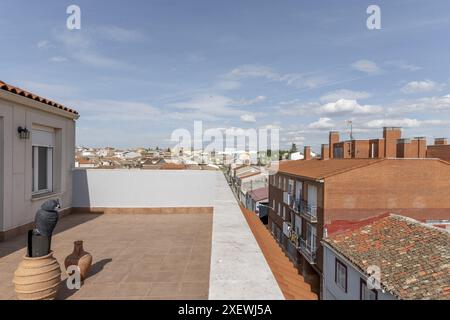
350, 123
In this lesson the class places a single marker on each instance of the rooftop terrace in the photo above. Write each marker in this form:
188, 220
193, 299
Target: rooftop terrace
163, 235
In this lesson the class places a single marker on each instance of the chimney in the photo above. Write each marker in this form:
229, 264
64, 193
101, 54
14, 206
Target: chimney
391, 135
333, 138
421, 147
440, 141
403, 148
307, 153
325, 152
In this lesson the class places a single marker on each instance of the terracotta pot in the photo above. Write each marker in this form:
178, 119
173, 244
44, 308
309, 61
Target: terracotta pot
79, 258
37, 278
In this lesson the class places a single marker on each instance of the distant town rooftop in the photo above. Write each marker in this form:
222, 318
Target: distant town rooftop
413, 257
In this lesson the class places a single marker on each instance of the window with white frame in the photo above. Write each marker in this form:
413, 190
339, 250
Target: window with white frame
279, 208
43, 143
284, 213
341, 275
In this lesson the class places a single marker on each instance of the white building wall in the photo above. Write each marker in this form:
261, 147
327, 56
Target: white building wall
18, 207
331, 291
98, 188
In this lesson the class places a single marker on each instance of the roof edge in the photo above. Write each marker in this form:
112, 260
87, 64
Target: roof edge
14, 97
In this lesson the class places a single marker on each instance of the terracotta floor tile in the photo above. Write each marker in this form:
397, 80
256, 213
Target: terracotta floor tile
133, 290
194, 288
165, 289
168, 276
133, 255
197, 275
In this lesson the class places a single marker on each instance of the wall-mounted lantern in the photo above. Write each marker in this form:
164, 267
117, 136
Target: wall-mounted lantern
24, 133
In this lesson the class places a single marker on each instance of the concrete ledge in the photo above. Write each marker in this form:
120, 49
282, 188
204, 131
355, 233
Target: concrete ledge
172, 210
239, 270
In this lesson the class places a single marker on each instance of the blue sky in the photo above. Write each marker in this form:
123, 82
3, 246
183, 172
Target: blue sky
139, 70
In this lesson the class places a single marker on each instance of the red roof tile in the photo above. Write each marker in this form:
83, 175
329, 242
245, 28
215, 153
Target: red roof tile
12, 89
414, 258
321, 169
260, 194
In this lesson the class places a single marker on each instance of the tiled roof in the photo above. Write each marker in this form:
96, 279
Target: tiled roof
12, 89
260, 194
173, 166
292, 284
414, 258
248, 175
320, 169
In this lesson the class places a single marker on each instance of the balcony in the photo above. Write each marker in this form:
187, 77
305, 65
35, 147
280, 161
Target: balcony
308, 250
287, 198
295, 205
309, 212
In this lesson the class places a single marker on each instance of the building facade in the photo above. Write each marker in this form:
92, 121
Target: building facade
308, 197
37, 152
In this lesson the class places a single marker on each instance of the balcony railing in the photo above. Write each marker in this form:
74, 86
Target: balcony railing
308, 211
308, 249
295, 205
287, 198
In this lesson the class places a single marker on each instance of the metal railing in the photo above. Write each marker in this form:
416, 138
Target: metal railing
308, 249
308, 211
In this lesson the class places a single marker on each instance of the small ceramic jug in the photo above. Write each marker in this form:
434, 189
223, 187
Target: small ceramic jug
79, 258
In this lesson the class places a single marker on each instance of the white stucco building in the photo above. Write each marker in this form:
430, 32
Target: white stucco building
37, 145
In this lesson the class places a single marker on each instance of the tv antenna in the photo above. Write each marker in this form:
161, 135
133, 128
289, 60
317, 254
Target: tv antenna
350, 123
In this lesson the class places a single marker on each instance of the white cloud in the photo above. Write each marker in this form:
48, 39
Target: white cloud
227, 85
248, 118
406, 123
428, 104
82, 48
297, 80
49, 90
421, 86
58, 59
115, 110
344, 94
366, 66
253, 71
403, 65
345, 106
321, 124
248, 102
213, 107
44, 44
118, 34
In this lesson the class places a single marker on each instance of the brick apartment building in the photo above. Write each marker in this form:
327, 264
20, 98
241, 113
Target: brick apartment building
391, 145
440, 149
308, 197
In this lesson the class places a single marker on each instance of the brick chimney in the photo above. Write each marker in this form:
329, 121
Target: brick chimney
325, 151
440, 141
307, 153
333, 138
391, 135
421, 147
404, 149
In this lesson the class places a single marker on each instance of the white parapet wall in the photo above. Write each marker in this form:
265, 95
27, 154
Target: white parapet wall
239, 270
97, 188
